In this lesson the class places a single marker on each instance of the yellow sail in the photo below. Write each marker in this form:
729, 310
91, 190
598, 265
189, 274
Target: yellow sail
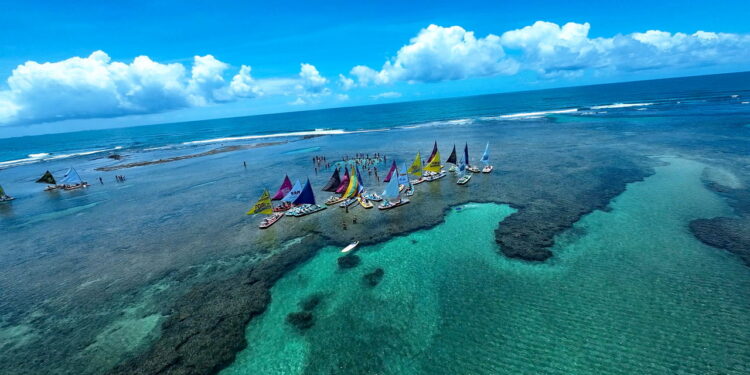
416, 166
433, 165
353, 188
263, 206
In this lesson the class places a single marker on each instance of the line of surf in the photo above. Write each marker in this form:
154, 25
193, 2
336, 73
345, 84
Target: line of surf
44, 156
316, 132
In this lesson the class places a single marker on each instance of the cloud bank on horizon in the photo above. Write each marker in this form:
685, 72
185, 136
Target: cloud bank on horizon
95, 86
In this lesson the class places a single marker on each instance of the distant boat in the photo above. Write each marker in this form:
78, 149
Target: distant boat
486, 159
390, 172
350, 247
265, 207
49, 179
464, 173
416, 169
72, 181
293, 193
284, 189
333, 182
433, 163
466, 159
306, 202
392, 195
5, 197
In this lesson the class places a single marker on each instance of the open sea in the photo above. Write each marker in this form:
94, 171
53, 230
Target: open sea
88, 277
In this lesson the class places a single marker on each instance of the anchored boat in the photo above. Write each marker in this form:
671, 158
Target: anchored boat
265, 207
486, 159
5, 197
392, 195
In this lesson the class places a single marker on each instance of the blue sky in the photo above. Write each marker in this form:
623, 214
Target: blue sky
606, 42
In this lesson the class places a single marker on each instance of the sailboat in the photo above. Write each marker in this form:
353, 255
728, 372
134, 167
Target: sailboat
465, 174
352, 191
390, 172
433, 170
361, 198
5, 197
470, 167
284, 189
265, 207
49, 179
392, 195
333, 182
416, 170
305, 202
453, 160
343, 184
72, 181
403, 180
486, 159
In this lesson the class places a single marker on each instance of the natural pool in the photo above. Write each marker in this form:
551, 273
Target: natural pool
630, 291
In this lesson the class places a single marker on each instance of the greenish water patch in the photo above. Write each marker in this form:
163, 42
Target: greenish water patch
629, 291
58, 214
302, 150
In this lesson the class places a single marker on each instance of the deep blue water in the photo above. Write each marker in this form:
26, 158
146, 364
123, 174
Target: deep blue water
707, 94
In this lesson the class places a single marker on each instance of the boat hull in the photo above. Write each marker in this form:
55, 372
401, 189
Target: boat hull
394, 205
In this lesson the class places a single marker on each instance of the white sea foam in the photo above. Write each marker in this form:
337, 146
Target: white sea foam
280, 135
745, 103
459, 122
44, 156
621, 105
530, 115
735, 96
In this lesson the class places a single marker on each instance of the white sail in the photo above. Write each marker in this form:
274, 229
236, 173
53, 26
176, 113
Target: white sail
391, 190
71, 178
486, 156
403, 178
294, 193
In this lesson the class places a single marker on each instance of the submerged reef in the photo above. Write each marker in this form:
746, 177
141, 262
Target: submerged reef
373, 278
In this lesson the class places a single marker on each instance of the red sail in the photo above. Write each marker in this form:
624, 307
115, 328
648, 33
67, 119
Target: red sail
390, 173
286, 186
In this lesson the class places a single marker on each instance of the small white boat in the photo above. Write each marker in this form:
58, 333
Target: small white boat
350, 247
487, 169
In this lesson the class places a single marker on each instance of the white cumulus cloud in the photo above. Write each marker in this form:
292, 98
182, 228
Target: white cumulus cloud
387, 95
451, 53
440, 54
96, 86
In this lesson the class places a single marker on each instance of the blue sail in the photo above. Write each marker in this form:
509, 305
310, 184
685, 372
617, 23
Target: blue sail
306, 195
71, 178
403, 178
391, 190
466, 154
486, 155
294, 193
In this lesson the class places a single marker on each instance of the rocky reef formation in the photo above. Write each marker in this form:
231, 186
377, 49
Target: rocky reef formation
348, 261
730, 234
206, 327
373, 278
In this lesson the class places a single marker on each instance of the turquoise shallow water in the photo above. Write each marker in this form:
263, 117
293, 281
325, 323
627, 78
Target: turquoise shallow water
630, 291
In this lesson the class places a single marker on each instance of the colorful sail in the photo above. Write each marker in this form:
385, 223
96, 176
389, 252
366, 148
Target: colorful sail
466, 154
433, 165
434, 151
334, 182
307, 196
344, 182
462, 166
416, 166
403, 178
452, 158
486, 156
47, 178
390, 172
285, 188
391, 190
294, 193
263, 206
2, 192
71, 178
353, 188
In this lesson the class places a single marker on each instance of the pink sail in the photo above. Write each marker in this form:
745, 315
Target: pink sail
344, 183
390, 173
286, 186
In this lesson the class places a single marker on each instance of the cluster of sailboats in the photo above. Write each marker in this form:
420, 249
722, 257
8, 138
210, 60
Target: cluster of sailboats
71, 181
351, 188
